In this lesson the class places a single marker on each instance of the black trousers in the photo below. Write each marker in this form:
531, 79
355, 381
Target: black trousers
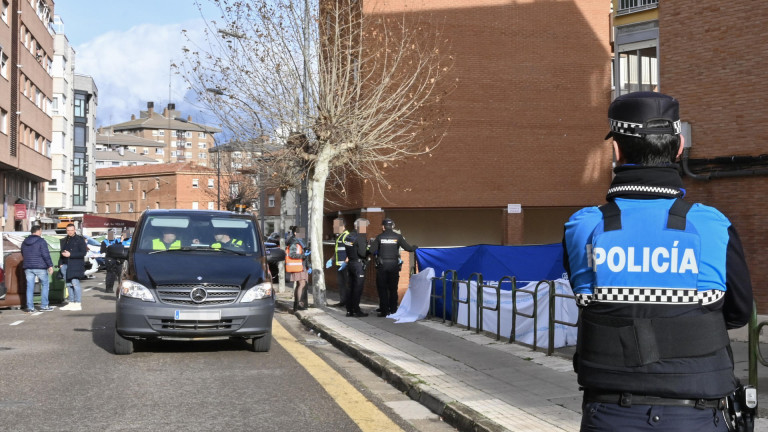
113, 268
343, 285
356, 281
387, 278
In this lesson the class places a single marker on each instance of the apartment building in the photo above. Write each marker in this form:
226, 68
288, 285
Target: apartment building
524, 148
183, 140
26, 91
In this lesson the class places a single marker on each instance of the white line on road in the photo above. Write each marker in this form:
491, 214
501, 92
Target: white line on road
17, 322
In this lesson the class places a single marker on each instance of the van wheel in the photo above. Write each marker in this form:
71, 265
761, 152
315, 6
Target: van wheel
262, 344
122, 345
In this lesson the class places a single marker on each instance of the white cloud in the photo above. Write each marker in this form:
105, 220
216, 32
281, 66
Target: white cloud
132, 67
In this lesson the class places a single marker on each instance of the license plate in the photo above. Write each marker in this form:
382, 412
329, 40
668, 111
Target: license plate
193, 315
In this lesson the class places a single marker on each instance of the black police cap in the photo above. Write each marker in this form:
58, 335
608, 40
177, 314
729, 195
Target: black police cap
630, 113
388, 223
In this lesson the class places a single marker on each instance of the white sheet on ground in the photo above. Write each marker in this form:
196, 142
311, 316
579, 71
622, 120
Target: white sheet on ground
415, 303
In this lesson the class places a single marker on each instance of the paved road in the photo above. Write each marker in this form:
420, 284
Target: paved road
59, 373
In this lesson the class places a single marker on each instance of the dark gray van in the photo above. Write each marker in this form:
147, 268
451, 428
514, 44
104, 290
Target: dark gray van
194, 274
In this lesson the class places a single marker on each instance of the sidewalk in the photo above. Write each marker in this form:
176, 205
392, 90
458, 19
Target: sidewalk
472, 381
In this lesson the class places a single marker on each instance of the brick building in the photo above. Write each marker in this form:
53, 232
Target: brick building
26, 92
712, 58
525, 146
124, 192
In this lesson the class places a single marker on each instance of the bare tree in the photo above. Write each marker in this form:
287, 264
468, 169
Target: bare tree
346, 88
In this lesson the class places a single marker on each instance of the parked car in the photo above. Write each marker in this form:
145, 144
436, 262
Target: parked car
199, 287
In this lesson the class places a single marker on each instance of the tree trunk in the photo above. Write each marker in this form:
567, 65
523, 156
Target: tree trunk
281, 231
316, 200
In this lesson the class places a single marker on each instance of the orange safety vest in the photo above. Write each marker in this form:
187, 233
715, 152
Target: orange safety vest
294, 265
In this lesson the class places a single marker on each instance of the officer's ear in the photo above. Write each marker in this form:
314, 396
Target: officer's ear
616, 151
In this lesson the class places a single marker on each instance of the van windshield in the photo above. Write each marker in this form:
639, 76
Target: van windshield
199, 232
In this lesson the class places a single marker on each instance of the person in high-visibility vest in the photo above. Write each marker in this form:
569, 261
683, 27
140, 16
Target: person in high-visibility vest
223, 240
294, 266
339, 258
168, 241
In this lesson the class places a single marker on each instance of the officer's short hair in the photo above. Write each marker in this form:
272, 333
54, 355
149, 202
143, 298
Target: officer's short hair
35, 228
359, 221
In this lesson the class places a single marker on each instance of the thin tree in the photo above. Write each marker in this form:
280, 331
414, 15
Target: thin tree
348, 90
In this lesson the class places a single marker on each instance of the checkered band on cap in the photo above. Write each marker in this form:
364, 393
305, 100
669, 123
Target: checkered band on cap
650, 295
636, 129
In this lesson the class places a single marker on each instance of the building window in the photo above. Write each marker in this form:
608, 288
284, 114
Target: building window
202, 145
3, 121
271, 201
161, 133
117, 208
106, 188
143, 195
187, 155
130, 185
3, 65
117, 188
80, 109
202, 155
210, 184
237, 154
201, 134
4, 15
187, 134
106, 208
187, 144
210, 205
194, 183
159, 151
194, 205
130, 207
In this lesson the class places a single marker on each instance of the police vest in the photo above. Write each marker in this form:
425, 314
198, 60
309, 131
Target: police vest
647, 260
158, 244
340, 251
294, 265
232, 242
389, 248
109, 243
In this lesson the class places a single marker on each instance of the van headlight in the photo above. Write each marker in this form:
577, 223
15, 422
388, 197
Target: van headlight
258, 292
135, 290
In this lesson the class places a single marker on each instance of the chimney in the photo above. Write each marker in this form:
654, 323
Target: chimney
133, 116
189, 118
151, 108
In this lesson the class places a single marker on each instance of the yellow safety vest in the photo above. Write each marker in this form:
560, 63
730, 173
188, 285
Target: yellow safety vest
233, 242
158, 244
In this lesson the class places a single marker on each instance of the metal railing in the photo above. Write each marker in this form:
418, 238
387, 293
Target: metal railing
451, 284
630, 6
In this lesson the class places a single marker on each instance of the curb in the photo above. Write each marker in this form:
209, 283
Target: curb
454, 413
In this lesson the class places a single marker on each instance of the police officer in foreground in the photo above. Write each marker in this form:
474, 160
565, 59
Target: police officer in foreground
659, 282
386, 248
356, 245
339, 257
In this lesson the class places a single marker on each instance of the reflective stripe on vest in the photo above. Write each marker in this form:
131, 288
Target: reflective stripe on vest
232, 242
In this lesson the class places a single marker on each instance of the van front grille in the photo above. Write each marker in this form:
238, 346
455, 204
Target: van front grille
214, 294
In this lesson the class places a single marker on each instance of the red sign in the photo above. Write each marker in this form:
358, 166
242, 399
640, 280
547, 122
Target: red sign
20, 210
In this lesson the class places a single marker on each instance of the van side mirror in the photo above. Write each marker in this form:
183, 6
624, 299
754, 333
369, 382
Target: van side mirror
117, 251
275, 255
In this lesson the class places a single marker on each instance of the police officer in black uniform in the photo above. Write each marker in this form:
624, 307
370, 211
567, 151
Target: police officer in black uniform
113, 265
659, 282
386, 248
356, 246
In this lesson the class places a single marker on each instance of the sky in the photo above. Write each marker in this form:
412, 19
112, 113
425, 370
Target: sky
128, 47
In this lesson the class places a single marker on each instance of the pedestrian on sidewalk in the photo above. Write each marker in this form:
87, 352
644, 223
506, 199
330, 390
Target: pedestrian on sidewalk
386, 250
295, 267
339, 259
356, 245
659, 282
37, 264
72, 264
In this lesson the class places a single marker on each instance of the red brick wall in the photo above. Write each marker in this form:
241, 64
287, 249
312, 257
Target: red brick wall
713, 60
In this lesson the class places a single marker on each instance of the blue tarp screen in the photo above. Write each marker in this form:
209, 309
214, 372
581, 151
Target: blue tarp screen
525, 263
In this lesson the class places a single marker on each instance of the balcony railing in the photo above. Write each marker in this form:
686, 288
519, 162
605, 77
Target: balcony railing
631, 6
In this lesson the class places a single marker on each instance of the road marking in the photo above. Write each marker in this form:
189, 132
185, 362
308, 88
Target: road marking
362, 411
17, 322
